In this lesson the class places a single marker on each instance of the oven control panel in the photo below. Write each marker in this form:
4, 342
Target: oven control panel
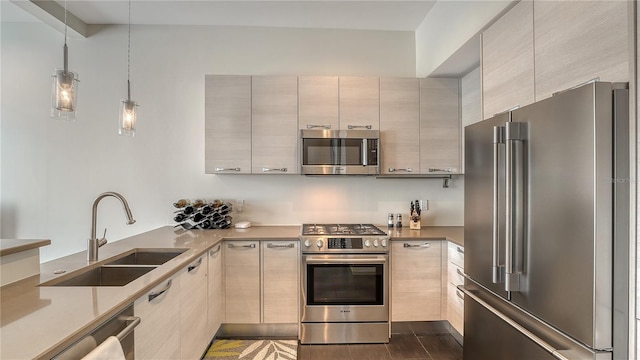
337, 244
344, 243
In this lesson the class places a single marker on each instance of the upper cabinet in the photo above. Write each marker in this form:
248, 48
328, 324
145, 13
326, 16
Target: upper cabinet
227, 124
400, 125
541, 47
359, 103
318, 102
576, 41
274, 136
440, 126
507, 61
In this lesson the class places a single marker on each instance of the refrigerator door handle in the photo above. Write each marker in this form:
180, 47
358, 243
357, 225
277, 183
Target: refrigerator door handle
514, 208
531, 336
497, 269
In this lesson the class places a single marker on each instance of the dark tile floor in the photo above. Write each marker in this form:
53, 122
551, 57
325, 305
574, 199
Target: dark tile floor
409, 340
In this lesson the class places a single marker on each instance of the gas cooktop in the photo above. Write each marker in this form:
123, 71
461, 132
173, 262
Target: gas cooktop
341, 229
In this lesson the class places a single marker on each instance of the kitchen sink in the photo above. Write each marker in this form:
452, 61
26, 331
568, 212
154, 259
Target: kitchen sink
105, 275
146, 257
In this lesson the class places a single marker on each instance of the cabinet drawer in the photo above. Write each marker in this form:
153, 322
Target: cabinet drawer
455, 308
456, 254
454, 274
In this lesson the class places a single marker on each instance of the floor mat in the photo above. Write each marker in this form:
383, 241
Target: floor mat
253, 350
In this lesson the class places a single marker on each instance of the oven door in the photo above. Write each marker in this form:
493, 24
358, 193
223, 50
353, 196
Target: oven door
345, 288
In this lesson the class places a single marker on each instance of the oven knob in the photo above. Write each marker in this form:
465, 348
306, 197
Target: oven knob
383, 242
375, 242
319, 243
367, 243
307, 243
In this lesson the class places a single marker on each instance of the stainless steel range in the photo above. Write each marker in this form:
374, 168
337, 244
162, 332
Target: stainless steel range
345, 284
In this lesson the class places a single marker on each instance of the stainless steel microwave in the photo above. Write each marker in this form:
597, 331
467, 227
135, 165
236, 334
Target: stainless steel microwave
340, 152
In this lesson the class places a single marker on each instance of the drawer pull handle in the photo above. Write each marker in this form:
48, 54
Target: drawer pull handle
318, 126
265, 169
213, 252
460, 250
459, 272
219, 169
154, 295
425, 245
445, 170
234, 246
459, 294
192, 267
351, 127
274, 246
405, 170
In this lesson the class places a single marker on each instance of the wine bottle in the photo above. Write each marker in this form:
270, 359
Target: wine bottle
181, 203
180, 217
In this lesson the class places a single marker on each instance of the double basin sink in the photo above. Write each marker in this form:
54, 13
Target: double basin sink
118, 270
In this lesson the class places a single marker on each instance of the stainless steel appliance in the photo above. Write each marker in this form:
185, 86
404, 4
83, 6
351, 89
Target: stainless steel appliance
546, 229
345, 284
340, 152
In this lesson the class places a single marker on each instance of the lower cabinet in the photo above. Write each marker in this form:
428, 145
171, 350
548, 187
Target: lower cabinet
416, 280
215, 289
455, 298
261, 282
194, 333
156, 337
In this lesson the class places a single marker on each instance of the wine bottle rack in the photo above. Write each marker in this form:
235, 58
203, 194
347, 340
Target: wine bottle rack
200, 214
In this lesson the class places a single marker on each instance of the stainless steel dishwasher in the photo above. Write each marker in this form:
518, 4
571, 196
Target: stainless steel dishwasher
120, 325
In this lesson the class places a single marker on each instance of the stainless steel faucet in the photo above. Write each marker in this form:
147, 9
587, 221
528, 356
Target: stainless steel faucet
94, 243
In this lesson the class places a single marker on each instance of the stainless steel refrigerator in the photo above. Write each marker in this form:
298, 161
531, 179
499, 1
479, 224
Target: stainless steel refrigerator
546, 229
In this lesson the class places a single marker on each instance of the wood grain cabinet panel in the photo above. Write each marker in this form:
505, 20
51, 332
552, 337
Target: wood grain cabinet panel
157, 337
576, 41
274, 125
194, 331
416, 280
507, 61
215, 305
280, 272
359, 102
318, 102
455, 298
400, 125
227, 116
241, 282
440, 126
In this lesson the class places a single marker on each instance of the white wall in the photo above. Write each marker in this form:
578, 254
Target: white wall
52, 171
448, 26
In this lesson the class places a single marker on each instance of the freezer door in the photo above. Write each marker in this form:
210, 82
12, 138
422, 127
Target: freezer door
484, 203
565, 258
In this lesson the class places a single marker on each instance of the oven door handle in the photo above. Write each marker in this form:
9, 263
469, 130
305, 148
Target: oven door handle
375, 260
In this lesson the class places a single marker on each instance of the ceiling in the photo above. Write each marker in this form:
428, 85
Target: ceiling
363, 15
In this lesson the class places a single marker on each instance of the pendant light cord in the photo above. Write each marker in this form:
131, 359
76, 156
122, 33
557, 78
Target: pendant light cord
65, 22
129, 56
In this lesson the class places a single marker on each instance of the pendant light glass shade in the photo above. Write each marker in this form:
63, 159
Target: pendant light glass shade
64, 87
127, 119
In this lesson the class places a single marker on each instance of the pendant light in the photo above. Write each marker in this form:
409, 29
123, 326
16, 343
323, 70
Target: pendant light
128, 112
64, 92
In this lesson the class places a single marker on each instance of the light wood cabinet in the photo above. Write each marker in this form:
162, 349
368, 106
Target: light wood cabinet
576, 41
400, 125
280, 272
508, 61
227, 124
157, 337
215, 297
455, 298
274, 125
416, 280
440, 126
359, 103
318, 102
242, 282
194, 332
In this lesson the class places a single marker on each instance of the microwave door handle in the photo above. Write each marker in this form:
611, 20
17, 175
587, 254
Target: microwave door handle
365, 160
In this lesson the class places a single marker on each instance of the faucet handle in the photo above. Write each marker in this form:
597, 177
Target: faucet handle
104, 240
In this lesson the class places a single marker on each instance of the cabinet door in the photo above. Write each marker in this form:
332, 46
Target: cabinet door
227, 116
400, 125
577, 41
416, 280
215, 289
194, 332
156, 337
242, 282
359, 103
318, 102
281, 293
274, 134
455, 298
439, 126
507, 61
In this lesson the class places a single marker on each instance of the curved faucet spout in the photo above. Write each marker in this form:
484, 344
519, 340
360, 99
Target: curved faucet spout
94, 243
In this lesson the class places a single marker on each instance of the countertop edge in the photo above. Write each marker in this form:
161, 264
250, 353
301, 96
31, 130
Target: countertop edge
21, 245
